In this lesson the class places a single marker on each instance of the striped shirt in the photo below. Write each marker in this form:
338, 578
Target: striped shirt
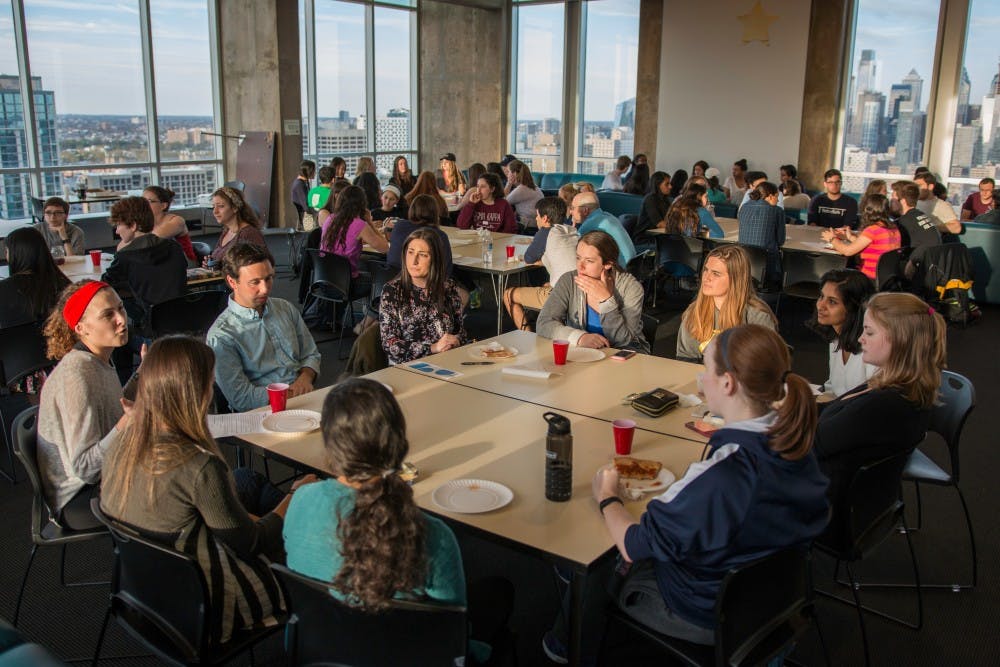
883, 240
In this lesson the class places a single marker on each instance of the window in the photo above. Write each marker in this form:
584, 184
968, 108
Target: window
976, 147
358, 64
538, 106
100, 116
610, 47
885, 128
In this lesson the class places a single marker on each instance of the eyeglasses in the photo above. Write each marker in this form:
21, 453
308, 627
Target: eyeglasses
55, 214
153, 201
834, 182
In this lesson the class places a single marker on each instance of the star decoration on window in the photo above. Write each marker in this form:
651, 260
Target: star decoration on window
755, 25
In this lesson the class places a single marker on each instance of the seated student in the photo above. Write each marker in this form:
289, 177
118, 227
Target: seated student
654, 205
346, 232
688, 214
794, 197
567, 192
890, 413
759, 491
335, 529
169, 225
939, 210
450, 178
62, 237
238, 220
916, 229
878, 235
726, 299
762, 224
876, 186
523, 194
787, 173
35, 282
833, 208
755, 178
488, 208
980, 203
736, 183
420, 311
402, 177
390, 207
258, 340
554, 247
716, 195
301, 186
597, 305
426, 185
613, 179
318, 196
637, 182
422, 213
167, 479
589, 217
369, 182
699, 168
838, 318
148, 268
81, 411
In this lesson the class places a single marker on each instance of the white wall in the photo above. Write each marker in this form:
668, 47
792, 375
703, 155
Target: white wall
741, 100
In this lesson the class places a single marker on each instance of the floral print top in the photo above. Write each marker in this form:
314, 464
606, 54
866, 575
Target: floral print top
410, 326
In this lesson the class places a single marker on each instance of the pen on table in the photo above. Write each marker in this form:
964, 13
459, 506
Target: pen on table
477, 363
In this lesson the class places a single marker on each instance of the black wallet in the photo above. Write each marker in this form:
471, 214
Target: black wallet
656, 402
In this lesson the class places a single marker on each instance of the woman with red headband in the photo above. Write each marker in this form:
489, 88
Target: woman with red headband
82, 408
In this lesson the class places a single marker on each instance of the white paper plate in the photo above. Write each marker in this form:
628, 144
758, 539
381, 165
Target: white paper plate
476, 352
658, 485
292, 422
471, 496
389, 387
584, 354
69, 259
466, 232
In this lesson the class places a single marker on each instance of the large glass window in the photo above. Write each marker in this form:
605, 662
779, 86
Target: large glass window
362, 62
610, 45
976, 148
13, 143
538, 107
891, 74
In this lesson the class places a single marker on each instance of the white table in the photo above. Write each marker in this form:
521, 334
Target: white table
798, 238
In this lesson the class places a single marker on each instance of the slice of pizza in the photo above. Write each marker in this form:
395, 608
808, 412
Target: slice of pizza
630, 468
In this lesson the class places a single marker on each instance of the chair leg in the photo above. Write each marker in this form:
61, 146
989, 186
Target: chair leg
861, 614
100, 636
920, 506
972, 539
916, 580
24, 582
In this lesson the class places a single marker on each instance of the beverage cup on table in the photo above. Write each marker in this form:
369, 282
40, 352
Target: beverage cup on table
510, 253
95, 258
277, 395
559, 350
624, 432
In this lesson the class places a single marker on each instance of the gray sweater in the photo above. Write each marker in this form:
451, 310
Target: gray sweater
687, 345
565, 313
79, 408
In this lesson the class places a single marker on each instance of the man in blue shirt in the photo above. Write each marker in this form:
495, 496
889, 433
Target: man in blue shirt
588, 216
258, 340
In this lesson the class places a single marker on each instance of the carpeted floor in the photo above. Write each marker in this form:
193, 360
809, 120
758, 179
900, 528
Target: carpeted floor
959, 627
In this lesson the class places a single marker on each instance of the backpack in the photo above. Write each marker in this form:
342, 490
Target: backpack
947, 281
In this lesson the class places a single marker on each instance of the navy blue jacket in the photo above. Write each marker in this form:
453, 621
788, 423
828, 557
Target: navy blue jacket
742, 503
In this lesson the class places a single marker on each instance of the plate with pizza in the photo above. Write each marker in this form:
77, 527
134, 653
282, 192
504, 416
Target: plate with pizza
492, 352
640, 476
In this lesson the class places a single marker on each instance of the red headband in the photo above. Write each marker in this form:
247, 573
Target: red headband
77, 304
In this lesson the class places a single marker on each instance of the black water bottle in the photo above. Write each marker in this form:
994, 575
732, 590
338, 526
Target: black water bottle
558, 458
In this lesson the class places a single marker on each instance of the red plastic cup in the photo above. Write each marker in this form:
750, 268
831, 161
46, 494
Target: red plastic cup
510, 252
277, 395
95, 258
559, 350
624, 431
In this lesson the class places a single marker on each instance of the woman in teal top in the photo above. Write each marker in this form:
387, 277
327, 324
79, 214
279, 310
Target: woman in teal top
362, 530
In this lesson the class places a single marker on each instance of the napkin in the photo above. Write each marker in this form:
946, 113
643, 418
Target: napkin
688, 400
526, 372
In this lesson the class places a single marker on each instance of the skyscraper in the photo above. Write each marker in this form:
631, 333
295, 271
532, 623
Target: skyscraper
15, 189
964, 89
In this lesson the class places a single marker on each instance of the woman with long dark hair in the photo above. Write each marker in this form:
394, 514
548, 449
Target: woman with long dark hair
402, 177
838, 318
421, 309
638, 181
488, 208
369, 182
167, 479
238, 220
426, 185
350, 227
877, 235
656, 204
33, 288
422, 213
522, 193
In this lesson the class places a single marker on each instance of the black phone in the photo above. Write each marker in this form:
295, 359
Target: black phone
623, 355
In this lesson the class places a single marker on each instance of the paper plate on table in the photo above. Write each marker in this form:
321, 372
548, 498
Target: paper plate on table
69, 259
493, 352
291, 422
471, 496
584, 354
466, 232
656, 485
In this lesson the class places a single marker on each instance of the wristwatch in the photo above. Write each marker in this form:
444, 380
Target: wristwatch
610, 501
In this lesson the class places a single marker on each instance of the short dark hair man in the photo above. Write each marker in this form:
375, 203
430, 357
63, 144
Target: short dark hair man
613, 179
940, 211
832, 208
917, 228
258, 340
57, 230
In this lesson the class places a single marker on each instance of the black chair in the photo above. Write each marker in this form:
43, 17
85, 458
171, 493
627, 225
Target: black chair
332, 283
889, 273
191, 314
761, 611
381, 274
160, 596
681, 250
643, 268
22, 353
650, 325
45, 530
201, 250
235, 185
726, 210
322, 630
872, 509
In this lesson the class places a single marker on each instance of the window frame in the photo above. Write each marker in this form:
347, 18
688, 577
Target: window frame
36, 172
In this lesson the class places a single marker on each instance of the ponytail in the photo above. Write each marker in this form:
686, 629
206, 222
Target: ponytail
792, 434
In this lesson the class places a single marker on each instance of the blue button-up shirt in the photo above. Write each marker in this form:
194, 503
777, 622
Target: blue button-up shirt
605, 222
253, 349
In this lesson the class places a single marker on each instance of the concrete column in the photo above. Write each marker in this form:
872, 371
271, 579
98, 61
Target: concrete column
647, 95
259, 63
462, 87
829, 30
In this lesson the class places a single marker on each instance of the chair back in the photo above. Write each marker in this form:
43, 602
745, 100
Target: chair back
643, 266
323, 630
235, 185
675, 248
332, 273
191, 314
957, 399
381, 274
157, 593
873, 504
889, 271
22, 352
24, 437
762, 608
802, 272
758, 263
650, 325
201, 250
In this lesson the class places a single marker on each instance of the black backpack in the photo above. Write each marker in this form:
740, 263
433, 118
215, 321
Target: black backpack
947, 281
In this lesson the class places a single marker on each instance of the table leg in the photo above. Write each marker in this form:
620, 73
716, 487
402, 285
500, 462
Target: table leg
576, 586
498, 289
